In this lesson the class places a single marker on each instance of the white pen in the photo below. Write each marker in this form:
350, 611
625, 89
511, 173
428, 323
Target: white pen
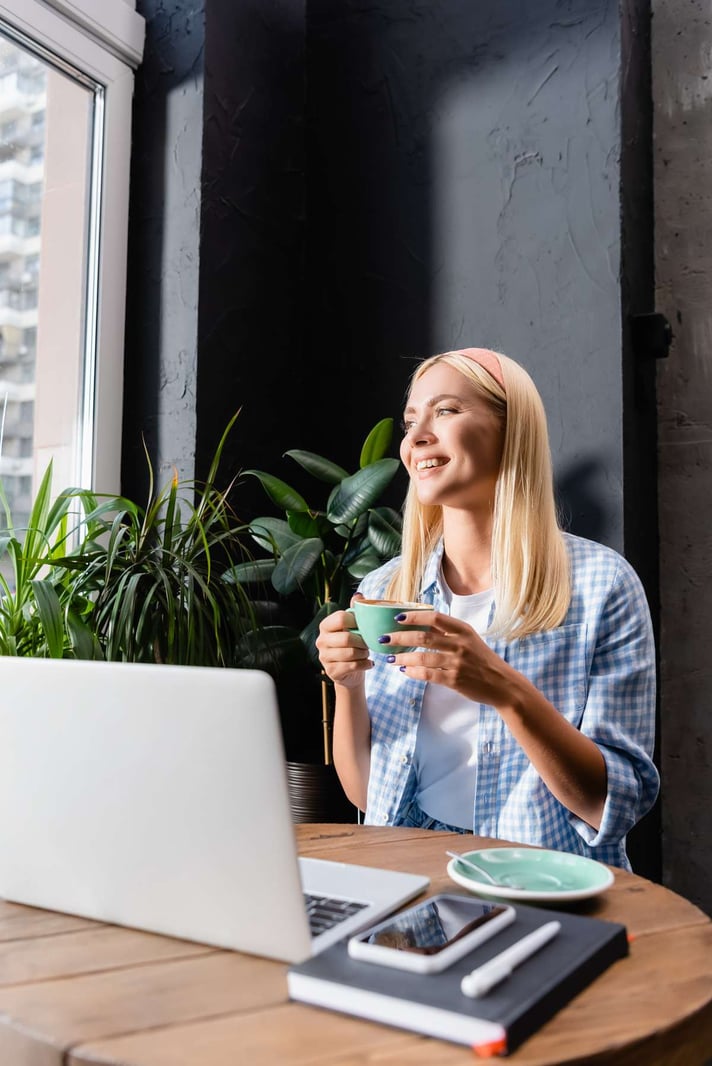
485, 977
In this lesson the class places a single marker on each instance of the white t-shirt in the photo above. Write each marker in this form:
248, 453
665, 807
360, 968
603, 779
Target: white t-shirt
446, 740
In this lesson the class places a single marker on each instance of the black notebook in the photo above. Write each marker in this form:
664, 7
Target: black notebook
495, 1023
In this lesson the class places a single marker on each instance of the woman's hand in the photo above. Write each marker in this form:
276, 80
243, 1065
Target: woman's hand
454, 656
342, 653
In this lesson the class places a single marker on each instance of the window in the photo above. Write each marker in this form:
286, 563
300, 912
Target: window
66, 77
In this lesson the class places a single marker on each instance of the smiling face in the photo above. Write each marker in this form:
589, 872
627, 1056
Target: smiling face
453, 441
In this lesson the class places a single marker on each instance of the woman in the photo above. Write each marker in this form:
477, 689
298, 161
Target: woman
527, 712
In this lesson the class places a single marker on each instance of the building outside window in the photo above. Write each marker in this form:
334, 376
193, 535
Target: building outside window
23, 102
66, 82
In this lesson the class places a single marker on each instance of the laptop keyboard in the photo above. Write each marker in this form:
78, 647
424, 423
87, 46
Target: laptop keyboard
325, 912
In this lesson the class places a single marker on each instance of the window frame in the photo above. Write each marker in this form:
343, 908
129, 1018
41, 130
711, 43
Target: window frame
104, 39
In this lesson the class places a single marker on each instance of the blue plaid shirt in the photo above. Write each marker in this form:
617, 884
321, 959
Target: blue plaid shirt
597, 669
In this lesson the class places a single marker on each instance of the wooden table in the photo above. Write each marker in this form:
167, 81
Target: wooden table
75, 993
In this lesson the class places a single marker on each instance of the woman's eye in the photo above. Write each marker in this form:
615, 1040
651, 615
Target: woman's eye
406, 426
446, 411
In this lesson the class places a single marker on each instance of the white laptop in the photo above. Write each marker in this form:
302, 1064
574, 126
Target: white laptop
156, 797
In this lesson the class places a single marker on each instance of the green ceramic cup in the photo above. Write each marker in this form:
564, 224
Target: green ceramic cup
375, 618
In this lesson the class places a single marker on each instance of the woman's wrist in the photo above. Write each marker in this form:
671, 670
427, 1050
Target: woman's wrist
352, 683
517, 696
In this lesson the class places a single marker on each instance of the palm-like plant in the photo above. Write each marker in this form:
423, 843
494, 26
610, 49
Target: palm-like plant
101, 577
39, 614
317, 554
155, 574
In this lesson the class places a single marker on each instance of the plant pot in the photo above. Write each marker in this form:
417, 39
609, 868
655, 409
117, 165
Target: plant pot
316, 795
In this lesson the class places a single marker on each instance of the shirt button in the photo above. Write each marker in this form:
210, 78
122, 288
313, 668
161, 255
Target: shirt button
488, 747
411, 703
384, 817
404, 760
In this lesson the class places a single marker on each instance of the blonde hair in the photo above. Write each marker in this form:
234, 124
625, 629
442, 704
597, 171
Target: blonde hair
530, 565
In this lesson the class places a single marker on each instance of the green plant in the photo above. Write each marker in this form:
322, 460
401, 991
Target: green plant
155, 574
39, 614
317, 554
97, 576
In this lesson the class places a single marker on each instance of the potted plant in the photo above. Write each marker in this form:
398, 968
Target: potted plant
102, 577
316, 552
154, 574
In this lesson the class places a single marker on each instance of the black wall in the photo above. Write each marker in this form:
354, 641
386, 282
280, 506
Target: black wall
382, 180
252, 347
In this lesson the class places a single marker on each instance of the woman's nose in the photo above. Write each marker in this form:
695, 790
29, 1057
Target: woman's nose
423, 438
420, 433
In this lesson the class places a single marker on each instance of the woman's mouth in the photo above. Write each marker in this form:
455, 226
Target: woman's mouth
428, 464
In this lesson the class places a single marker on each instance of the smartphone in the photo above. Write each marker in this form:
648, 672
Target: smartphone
431, 935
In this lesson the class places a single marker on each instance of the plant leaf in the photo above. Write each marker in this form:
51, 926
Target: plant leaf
280, 492
84, 643
360, 491
304, 525
354, 532
273, 534
383, 534
296, 565
35, 545
249, 573
6, 537
217, 454
50, 614
365, 563
319, 467
377, 442
40, 508
58, 510
5, 506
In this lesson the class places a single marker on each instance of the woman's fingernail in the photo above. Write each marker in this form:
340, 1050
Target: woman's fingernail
390, 658
384, 640
400, 617
402, 669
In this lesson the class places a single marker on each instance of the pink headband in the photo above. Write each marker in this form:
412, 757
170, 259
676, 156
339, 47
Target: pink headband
486, 359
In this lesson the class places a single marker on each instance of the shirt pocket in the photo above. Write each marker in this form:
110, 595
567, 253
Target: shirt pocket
556, 662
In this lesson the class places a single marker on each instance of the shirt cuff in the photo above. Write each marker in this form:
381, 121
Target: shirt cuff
622, 807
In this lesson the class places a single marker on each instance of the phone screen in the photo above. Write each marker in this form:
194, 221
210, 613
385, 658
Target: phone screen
434, 925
